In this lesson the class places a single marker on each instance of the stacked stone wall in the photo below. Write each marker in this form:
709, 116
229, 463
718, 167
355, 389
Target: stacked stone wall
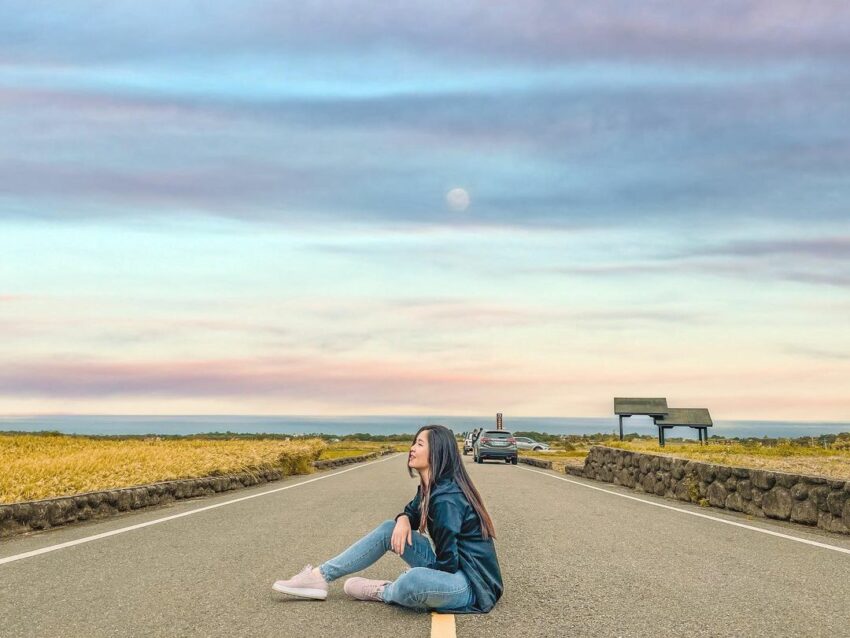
808, 500
18, 518
546, 465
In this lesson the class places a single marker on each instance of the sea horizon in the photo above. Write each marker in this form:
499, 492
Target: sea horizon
183, 424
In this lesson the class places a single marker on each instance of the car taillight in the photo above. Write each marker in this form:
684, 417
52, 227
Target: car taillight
512, 440
485, 440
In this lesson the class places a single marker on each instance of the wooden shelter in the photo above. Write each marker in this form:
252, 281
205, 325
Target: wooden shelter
697, 418
626, 407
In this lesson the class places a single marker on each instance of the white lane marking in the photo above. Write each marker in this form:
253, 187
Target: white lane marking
835, 548
87, 539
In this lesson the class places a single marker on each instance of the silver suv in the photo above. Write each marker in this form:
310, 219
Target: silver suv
524, 443
495, 444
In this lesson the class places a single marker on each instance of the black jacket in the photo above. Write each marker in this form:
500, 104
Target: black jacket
455, 529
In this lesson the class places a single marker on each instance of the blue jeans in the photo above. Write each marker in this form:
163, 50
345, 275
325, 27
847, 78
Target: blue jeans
420, 587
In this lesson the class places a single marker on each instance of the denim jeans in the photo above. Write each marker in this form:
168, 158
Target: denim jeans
420, 587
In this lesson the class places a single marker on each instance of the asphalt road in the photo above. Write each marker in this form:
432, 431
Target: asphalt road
575, 560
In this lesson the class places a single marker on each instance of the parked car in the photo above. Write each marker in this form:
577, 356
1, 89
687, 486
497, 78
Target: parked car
495, 444
524, 443
467, 442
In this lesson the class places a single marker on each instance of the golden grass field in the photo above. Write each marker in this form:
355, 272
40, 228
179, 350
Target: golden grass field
833, 462
36, 467
356, 448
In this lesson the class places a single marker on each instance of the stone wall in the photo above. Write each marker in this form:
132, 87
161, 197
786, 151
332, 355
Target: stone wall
810, 500
546, 465
346, 460
17, 518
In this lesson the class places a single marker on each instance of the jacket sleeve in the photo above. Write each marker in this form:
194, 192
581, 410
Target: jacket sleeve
412, 511
448, 518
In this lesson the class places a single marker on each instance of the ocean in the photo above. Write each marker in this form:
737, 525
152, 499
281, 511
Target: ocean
388, 424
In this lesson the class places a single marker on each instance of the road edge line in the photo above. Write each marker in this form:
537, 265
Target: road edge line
836, 548
88, 539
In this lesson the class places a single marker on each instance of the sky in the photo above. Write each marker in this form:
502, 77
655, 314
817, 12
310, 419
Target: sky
463, 208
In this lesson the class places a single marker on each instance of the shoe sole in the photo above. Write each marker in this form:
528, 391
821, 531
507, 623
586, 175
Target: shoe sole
353, 597
301, 592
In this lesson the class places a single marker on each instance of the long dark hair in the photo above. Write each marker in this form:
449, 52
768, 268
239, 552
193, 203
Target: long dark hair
445, 461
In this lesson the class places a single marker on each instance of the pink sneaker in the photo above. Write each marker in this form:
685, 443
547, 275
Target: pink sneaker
304, 585
365, 589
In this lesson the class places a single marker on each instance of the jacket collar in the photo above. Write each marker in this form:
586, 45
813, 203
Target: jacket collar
445, 486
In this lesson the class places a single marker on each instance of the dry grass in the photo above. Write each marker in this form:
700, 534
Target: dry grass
797, 459
711, 449
36, 467
560, 458
356, 448
833, 462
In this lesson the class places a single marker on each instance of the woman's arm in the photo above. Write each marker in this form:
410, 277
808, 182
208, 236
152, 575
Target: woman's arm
411, 510
402, 534
448, 519
403, 530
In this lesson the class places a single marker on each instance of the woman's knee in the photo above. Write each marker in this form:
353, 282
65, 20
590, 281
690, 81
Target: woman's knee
407, 587
386, 529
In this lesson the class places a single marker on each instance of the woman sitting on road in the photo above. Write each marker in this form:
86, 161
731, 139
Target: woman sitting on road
460, 575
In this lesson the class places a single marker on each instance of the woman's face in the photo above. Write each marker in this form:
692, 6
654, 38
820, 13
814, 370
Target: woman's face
418, 457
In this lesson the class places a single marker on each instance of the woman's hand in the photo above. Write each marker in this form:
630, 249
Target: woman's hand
401, 533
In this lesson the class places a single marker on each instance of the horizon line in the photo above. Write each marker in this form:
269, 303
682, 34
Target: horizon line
386, 415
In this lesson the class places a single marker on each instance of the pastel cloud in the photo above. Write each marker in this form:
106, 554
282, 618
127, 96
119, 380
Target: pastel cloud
247, 202
302, 162
365, 385
348, 382
824, 248
823, 260
318, 116
535, 29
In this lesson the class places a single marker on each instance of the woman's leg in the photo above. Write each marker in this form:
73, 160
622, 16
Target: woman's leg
424, 589
371, 547
420, 554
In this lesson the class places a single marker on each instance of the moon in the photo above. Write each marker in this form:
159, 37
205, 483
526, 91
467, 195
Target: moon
457, 199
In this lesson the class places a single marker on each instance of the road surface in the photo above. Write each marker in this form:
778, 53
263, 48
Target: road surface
578, 557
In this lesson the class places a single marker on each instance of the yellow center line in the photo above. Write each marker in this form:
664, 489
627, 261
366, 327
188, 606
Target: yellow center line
442, 625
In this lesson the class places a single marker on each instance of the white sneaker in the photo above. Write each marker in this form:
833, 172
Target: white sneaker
365, 589
304, 585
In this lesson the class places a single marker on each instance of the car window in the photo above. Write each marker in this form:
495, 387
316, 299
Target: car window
498, 434
523, 439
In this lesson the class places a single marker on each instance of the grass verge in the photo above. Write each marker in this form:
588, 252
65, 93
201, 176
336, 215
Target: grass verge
832, 461
356, 448
38, 466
